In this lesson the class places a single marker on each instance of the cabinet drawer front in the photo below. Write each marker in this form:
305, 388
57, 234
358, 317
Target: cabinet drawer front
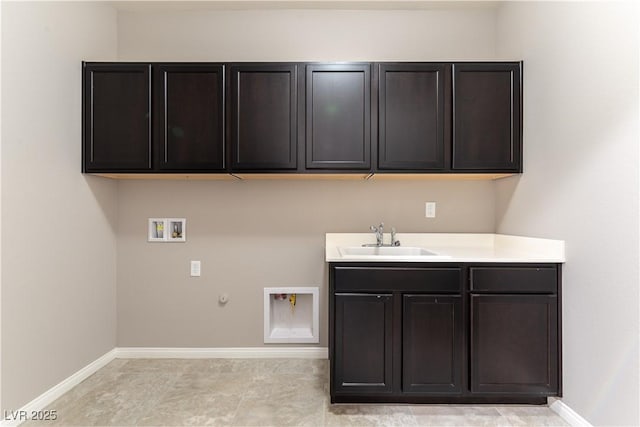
348, 279
514, 279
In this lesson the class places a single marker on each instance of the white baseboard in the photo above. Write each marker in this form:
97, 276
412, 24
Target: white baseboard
46, 398
568, 414
222, 353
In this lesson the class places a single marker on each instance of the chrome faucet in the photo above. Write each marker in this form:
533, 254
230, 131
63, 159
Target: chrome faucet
379, 231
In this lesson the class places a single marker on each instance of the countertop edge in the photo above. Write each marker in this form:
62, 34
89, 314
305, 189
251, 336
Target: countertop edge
456, 247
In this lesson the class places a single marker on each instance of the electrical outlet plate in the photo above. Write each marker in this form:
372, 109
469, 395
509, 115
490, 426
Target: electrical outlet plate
430, 210
195, 268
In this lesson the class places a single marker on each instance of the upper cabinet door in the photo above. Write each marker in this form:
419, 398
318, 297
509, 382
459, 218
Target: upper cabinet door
338, 122
487, 117
117, 117
264, 116
411, 114
190, 117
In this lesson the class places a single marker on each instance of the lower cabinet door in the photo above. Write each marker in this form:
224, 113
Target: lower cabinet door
514, 344
432, 344
363, 343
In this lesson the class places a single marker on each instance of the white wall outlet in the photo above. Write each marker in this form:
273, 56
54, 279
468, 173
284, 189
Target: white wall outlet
195, 268
430, 210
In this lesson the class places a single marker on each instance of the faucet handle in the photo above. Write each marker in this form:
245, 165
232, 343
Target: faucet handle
378, 228
394, 242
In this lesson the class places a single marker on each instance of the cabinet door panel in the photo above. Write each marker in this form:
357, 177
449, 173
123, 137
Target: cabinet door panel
338, 116
432, 344
363, 343
192, 120
514, 344
117, 122
487, 117
411, 111
264, 116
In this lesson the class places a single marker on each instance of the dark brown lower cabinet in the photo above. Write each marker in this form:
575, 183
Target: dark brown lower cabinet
514, 344
363, 343
432, 343
412, 332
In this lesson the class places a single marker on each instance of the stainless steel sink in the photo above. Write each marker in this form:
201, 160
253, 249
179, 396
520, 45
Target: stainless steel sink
385, 251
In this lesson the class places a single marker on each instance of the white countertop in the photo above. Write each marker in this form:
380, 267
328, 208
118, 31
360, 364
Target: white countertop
451, 247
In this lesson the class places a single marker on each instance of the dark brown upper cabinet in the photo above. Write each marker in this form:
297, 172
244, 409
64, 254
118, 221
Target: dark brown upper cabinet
190, 121
116, 117
412, 119
263, 116
383, 118
487, 117
338, 116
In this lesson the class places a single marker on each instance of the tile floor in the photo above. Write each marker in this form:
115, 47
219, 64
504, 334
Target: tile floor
251, 392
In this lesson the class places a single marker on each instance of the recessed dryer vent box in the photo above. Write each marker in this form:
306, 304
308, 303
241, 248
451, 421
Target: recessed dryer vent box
167, 230
291, 315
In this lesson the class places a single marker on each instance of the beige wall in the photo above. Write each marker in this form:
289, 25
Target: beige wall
58, 227
309, 35
255, 234
250, 235
581, 185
